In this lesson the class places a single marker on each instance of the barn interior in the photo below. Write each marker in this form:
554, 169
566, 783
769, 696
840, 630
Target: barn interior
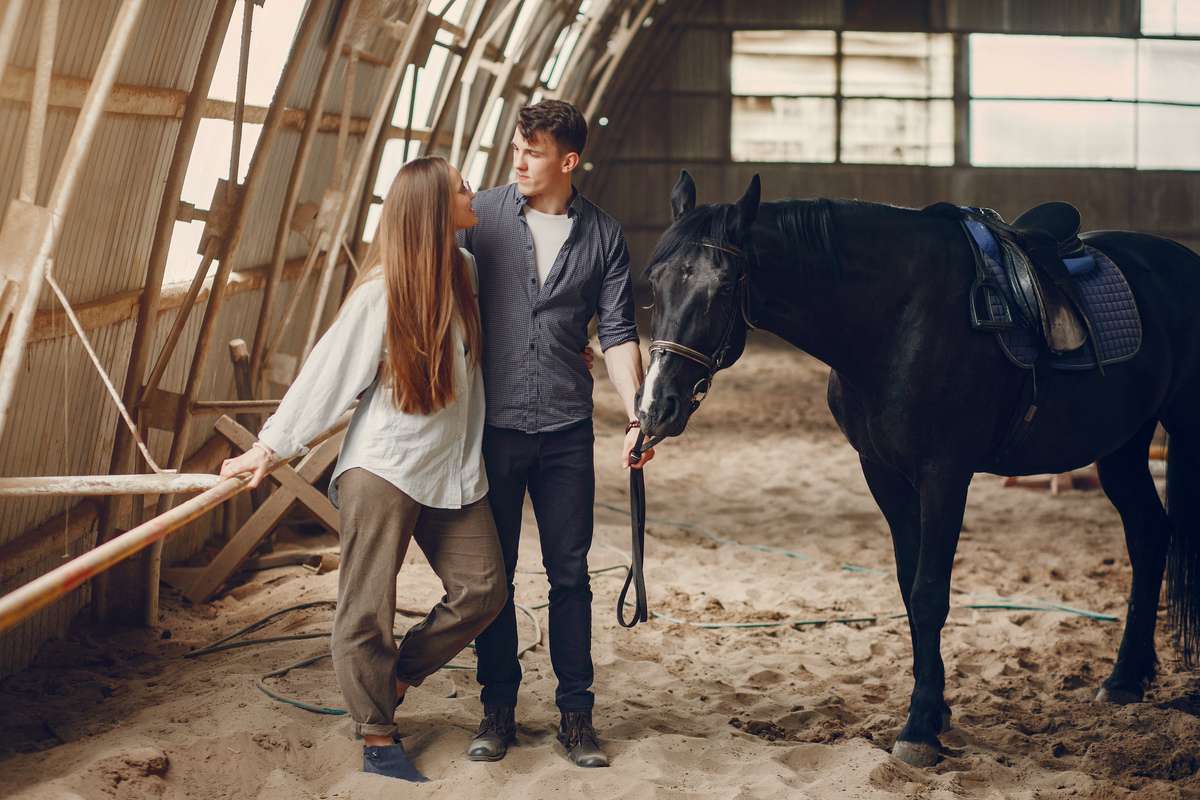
188, 186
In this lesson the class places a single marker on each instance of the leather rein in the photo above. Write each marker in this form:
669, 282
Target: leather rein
637, 482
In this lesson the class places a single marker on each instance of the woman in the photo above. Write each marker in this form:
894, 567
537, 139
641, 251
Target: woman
407, 344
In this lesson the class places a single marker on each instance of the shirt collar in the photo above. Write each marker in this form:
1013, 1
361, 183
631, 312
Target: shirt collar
574, 207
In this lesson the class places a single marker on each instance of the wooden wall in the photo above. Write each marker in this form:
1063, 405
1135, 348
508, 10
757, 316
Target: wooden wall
677, 117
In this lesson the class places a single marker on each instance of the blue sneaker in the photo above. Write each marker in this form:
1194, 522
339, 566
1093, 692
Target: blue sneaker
392, 762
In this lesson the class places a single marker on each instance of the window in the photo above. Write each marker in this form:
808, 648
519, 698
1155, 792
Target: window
272, 31
1171, 17
892, 91
1084, 101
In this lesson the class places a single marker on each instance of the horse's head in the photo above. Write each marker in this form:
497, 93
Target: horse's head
698, 277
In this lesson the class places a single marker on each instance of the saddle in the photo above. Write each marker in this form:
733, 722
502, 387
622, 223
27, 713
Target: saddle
1038, 299
1041, 256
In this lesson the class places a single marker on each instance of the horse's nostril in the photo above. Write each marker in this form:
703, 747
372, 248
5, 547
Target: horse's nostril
670, 407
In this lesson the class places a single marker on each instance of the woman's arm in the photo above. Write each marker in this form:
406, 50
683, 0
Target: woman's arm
341, 365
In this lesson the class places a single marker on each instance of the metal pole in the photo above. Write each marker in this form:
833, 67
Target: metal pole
292, 195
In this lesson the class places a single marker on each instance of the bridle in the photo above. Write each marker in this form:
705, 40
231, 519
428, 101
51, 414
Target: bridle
716, 361
637, 482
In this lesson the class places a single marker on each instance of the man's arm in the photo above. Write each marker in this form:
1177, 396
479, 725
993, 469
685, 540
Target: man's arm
617, 331
624, 365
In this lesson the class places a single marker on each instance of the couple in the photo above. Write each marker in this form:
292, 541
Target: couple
427, 331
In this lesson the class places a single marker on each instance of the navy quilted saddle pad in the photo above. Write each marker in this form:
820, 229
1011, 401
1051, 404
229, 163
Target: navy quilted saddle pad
1106, 296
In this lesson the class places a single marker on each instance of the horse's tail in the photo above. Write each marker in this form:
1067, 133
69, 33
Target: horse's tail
1183, 557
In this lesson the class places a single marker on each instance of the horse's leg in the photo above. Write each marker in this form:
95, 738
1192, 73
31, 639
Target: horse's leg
1125, 476
901, 507
943, 493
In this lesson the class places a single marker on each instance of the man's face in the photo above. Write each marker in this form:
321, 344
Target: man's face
539, 163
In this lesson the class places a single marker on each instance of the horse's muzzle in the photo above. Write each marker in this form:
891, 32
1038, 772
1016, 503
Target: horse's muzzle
665, 413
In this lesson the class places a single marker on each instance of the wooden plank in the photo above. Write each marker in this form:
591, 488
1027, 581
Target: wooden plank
288, 478
159, 409
262, 521
239, 355
239, 548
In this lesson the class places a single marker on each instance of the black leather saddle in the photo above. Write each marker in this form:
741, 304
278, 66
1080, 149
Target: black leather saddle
1041, 255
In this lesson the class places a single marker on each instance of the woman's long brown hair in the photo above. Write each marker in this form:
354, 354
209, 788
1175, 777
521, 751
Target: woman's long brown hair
425, 276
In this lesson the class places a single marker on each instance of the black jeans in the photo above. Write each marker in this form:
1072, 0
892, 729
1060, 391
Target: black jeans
558, 471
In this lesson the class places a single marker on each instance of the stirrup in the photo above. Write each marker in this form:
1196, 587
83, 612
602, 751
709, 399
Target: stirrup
985, 291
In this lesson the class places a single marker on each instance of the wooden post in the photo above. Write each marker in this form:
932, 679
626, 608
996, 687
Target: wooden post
40, 102
239, 354
294, 486
147, 318
287, 82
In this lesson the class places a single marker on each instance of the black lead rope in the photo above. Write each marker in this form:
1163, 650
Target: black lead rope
637, 515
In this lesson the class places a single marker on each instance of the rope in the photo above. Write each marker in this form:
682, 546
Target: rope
108, 384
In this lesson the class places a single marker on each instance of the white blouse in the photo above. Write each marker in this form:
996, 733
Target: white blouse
436, 459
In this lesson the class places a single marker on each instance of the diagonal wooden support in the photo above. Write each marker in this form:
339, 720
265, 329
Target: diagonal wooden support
26, 239
295, 485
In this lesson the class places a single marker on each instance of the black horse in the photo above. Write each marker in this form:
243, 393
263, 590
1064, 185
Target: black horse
880, 294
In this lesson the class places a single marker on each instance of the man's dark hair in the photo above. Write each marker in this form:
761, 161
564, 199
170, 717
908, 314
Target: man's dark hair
558, 119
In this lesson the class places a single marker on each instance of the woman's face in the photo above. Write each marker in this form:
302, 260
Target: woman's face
464, 215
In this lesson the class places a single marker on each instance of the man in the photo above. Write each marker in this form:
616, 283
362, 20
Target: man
549, 260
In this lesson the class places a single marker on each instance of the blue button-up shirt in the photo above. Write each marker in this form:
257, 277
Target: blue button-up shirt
534, 374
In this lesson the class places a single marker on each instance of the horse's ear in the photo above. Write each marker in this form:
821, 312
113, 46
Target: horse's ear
683, 196
746, 210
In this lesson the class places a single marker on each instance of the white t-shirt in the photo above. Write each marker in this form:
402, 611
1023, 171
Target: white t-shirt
550, 233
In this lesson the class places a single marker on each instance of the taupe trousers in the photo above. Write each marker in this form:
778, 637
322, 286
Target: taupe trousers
377, 521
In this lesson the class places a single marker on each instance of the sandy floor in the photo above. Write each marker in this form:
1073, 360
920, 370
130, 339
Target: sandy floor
686, 712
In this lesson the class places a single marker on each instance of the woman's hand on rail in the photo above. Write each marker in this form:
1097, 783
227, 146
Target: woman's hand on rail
256, 460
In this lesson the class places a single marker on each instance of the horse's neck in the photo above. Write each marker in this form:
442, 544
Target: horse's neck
834, 305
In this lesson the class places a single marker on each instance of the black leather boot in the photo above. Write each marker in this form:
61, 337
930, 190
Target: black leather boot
497, 731
577, 735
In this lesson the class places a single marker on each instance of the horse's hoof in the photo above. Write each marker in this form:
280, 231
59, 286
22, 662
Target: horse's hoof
916, 754
1119, 697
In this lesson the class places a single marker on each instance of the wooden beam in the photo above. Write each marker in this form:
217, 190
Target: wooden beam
102, 485
68, 93
117, 308
47, 538
200, 586
288, 478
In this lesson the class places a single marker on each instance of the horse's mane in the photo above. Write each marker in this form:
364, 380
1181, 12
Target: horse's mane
806, 224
